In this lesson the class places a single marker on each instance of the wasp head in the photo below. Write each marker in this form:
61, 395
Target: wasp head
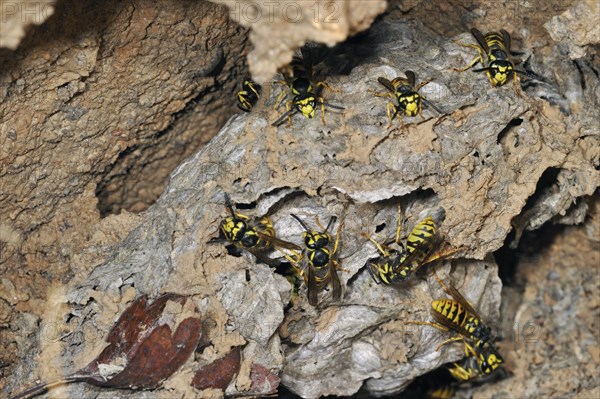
316, 240
489, 360
410, 102
306, 104
233, 229
500, 71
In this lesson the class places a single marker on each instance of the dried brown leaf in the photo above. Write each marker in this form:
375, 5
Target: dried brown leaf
219, 373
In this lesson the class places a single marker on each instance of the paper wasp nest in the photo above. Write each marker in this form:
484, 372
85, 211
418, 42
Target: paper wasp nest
481, 163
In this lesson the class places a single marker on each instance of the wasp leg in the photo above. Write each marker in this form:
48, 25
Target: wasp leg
469, 351
242, 216
318, 222
422, 84
242, 99
379, 246
439, 327
283, 93
327, 105
471, 65
440, 255
475, 61
516, 82
400, 217
427, 323
295, 259
337, 238
453, 339
475, 46
382, 94
322, 101
326, 86
288, 108
391, 115
370, 267
441, 283
490, 77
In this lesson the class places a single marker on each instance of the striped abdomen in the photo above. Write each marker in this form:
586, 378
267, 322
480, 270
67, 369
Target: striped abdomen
458, 316
497, 46
419, 244
421, 238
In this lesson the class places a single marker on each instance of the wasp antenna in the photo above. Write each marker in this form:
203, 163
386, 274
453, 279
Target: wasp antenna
410, 75
481, 69
429, 104
228, 204
328, 105
530, 75
282, 117
393, 116
331, 222
217, 241
301, 222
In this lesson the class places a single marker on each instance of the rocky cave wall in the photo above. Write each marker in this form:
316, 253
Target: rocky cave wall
102, 105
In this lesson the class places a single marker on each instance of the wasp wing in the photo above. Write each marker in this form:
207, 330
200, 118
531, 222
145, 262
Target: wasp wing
506, 38
313, 298
457, 296
410, 76
421, 253
335, 281
480, 39
261, 256
388, 85
276, 242
307, 60
448, 324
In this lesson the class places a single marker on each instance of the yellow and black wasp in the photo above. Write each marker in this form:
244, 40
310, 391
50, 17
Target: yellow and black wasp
307, 91
458, 315
495, 57
248, 96
410, 102
396, 265
476, 367
255, 235
322, 267
477, 364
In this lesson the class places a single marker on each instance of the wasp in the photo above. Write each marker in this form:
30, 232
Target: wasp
255, 235
458, 315
410, 102
248, 96
306, 89
395, 265
322, 267
495, 57
477, 364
